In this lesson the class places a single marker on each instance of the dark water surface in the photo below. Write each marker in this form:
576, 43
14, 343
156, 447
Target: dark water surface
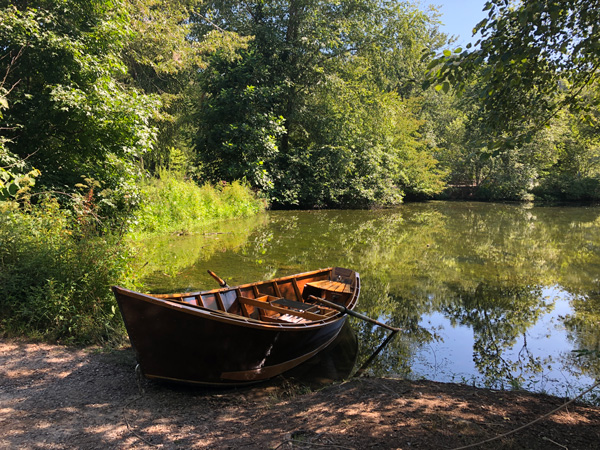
489, 294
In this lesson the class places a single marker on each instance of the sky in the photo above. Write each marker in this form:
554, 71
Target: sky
460, 17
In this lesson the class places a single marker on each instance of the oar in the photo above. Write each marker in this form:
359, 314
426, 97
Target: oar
367, 363
343, 309
220, 280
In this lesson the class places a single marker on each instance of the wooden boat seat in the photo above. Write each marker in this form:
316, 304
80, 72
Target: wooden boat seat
331, 286
292, 319
300, 306
284, 308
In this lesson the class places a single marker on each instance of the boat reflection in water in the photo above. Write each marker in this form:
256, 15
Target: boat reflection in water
335, 363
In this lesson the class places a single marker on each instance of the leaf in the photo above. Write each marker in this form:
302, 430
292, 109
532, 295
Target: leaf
447, 53
432, 64
480, 25
12, 189
523, 18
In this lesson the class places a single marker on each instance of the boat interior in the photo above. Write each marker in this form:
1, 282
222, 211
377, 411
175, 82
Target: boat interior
295, 299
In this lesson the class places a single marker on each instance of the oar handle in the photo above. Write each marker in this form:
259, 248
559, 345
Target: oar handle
343, 309
220, 280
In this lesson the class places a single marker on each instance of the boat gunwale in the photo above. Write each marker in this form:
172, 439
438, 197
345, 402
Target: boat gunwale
167, 301
240, 286
224, 316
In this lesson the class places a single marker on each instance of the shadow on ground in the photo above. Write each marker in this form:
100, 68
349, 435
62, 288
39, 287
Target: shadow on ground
57, 397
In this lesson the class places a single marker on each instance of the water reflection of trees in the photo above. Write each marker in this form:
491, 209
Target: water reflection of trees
483, 266
166, 263
405, 313
583, 329
480, 265
499, 315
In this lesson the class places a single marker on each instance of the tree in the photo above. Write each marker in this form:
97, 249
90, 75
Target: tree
533, 60
305, 112
163, 60
14, 176
70, 113
532, 83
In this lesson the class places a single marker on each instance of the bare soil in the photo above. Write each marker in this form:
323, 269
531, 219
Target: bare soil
55, 397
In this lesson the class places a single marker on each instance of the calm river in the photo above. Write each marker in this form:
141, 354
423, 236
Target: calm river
492, 295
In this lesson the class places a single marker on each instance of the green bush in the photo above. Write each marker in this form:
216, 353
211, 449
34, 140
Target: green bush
55, 275
57, 264
172, 204
567, 187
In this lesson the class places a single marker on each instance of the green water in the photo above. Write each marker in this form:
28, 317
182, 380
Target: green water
489, 294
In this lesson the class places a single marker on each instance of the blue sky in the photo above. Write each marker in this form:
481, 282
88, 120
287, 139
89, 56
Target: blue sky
459, 17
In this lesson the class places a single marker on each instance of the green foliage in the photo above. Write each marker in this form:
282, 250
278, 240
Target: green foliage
15, 177
556, 162
363, 149
310, 112
564, 187
574, 174
161, 60
55, 275
238, 128
173, 204
533, 59
70, 113
350, 158
15, 180
530, 91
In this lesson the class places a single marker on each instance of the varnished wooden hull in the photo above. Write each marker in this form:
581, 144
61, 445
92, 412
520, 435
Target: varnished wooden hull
196, 344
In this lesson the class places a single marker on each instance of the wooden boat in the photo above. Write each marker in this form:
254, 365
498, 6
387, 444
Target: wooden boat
240, 334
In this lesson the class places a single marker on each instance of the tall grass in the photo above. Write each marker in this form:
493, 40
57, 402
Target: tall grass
172, 204
57, 264
55, 275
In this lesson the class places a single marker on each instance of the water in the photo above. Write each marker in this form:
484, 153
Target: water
492, 295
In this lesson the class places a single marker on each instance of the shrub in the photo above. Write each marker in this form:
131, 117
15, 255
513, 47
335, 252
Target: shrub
566, 187
172, 204
55, 275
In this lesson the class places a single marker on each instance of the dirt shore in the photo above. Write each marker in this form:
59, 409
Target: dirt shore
55, 397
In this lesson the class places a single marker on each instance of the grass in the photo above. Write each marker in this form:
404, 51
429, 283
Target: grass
172, 204
57, 264
55, 274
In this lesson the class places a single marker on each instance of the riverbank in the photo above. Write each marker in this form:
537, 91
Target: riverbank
57, 397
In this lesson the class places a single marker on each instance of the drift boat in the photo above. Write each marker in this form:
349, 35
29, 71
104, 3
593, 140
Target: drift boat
241, 334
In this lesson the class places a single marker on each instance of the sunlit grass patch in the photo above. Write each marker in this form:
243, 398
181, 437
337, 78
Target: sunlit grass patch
171, 203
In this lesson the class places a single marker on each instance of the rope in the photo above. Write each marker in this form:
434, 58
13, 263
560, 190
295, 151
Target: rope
530, 423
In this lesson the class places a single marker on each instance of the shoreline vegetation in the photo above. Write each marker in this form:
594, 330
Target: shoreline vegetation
57, 263
172, 204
